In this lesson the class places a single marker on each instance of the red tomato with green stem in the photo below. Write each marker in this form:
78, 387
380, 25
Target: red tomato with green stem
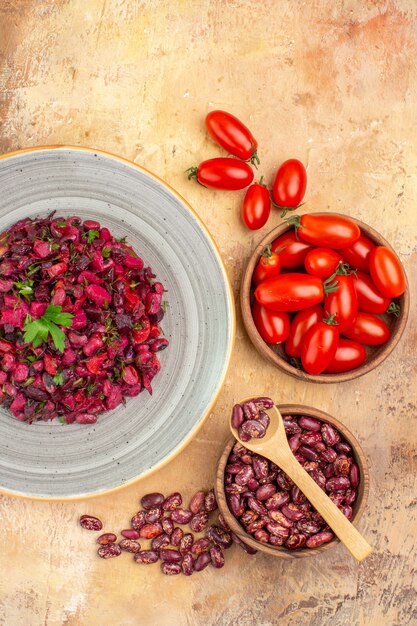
322, 262
289, 186
370, 300
222, 173
301, 323
341, 301
256, 206
325, 230
357, 255
319, 346
268, 265
292, 251
387, 272
272, 326
290, 292
232, 135
369, 330
349, 355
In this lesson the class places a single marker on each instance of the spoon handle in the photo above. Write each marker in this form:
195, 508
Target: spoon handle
347, 533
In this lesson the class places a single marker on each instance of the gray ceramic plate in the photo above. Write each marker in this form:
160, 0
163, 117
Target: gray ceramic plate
54, 461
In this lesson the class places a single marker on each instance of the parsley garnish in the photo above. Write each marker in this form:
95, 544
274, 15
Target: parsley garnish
91, 235
106, 252
25, 287
59, 378
37, 331
61, 419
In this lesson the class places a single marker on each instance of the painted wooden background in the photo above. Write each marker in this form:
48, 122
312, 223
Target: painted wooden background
332, 82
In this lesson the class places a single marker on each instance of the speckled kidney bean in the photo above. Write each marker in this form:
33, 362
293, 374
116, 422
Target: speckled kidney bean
219, 536
317, 540
109, 551
257, 524
290, 425
329, 434
308, 453
199, 522
237, 416
247, 548
138, 520
197, 501
176, 536
234, 488
261, 535
235, 505
300, 458
186, 543
232, 468
106, 538
160, 542
350, 496
309, 466
129, 545
210, 502
276, 529
248, 517
279, 517
265, 491
153, 515
247, 458
283, 481
270, 478
328, 471
172, 502
308, 526
244, 476
202, 561
295, 540
200, 546
343, 448
170, 556
260, 467
318, 476
347, 511
250, 410
167, 525
256, 506
264, 419
294, 442
293, 512
309, 423
228, 479
149, 531
342, 465
181, 516
217, 557
276, 501
252, 429
130, 534
328, 456
171, 569
336, 497
223, 522
187, 564
354, 475
297, 495
337, 483
151, 500
253, 484
90, 523
274, 540
146, 557
311, 438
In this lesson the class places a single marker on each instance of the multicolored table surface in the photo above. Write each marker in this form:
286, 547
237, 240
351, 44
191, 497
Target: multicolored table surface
332, 83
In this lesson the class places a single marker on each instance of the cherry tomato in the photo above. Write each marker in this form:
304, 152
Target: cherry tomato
222, 173
319, 347
232, 135
370, 300
326, 230
357, 255
301, 323
387, 272
290, 292
272, 326
342, 303
322, 262
289, 184
369, 330
256, 206
268, 265
292, 252
349, 355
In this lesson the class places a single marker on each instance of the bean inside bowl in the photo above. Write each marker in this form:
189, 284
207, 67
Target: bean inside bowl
266, 505
276, 354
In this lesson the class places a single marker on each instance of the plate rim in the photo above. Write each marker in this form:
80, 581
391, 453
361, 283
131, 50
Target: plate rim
232, 334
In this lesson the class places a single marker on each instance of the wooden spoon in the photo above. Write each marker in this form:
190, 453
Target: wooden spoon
274, 446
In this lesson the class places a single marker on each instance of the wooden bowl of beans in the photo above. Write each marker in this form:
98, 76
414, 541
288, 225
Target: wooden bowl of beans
267, 511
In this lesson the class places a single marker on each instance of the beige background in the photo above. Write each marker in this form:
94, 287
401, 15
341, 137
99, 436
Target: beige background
331, 82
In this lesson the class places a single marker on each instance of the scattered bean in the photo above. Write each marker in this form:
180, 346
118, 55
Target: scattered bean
107, 538
90, 523
109, 551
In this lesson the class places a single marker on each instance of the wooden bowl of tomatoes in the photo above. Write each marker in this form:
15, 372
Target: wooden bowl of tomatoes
324, 297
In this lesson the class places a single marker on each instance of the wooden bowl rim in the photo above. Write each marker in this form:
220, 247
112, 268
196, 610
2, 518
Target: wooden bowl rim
358, 507
266, 351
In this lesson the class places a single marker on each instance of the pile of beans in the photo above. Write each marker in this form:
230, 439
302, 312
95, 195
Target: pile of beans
159, 521
250, 418
270, 507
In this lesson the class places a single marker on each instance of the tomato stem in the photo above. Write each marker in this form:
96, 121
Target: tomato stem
394, 309
330, 320
330, 284
261, 183
294, 220
192, 172
267, 251
286, 209
254, 159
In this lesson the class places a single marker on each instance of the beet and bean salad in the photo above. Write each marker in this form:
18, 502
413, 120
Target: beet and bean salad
79, 321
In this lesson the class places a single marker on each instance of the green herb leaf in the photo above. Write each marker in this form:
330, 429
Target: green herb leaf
36, 332
61, 224
61, 419
59, 378
106, 252
121, 240
25, 287
91, 235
